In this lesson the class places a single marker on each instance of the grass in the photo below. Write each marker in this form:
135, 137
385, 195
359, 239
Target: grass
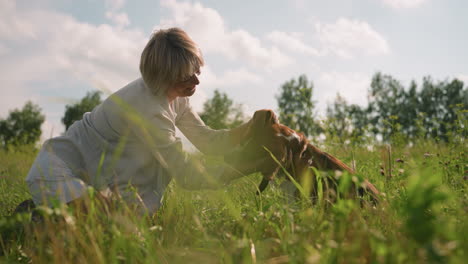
423, 219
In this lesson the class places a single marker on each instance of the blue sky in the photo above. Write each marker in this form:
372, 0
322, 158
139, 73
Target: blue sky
52, 52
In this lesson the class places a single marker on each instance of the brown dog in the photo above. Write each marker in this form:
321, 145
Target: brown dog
294, 152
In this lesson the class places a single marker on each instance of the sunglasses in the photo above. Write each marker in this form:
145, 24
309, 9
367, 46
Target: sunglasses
191, 79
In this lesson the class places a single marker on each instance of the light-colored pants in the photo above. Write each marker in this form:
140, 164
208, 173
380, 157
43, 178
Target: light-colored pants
50, 179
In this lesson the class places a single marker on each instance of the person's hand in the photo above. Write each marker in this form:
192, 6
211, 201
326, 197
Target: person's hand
241, 133
239, 168
260, 120
251, 158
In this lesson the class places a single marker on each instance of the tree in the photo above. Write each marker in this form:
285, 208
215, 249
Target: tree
410, 112
433, 111
22, 127
219, 112
438, 103
338, 119
75, 111
346, 121
387, 98
296, 108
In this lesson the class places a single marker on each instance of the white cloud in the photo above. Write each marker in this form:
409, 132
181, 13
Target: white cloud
11, 28
230, 79
114, 5
239, 76
53, 49
3, 49
67, 52
292, 42
61, 43
345, 38
299, 4
463, 78
99, 53
352, 86
207, 28
120, 19
349, 38
400, 4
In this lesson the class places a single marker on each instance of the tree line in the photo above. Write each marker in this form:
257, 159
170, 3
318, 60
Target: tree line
433, 109
23, 126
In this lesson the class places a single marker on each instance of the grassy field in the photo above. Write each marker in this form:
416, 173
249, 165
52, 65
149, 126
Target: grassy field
422, 219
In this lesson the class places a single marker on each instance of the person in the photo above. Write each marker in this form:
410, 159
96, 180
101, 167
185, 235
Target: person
128, 144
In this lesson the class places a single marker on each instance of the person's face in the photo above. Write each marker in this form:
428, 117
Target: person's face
184, 88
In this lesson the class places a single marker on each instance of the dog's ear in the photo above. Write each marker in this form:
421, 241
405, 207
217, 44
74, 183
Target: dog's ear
272, 118
265, 117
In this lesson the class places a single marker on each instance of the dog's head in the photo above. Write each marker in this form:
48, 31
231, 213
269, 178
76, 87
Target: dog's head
291, 148
288, 147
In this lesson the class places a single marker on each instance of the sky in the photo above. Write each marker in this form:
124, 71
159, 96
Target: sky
54, 51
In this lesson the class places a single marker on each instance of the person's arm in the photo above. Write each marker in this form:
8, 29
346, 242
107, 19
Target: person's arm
240, 134
207, 140
156, 131
190, 171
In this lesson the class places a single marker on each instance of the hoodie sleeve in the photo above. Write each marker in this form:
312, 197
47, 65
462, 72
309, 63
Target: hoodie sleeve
209, 141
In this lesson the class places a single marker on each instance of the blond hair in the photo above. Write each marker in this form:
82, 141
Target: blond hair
169, 56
